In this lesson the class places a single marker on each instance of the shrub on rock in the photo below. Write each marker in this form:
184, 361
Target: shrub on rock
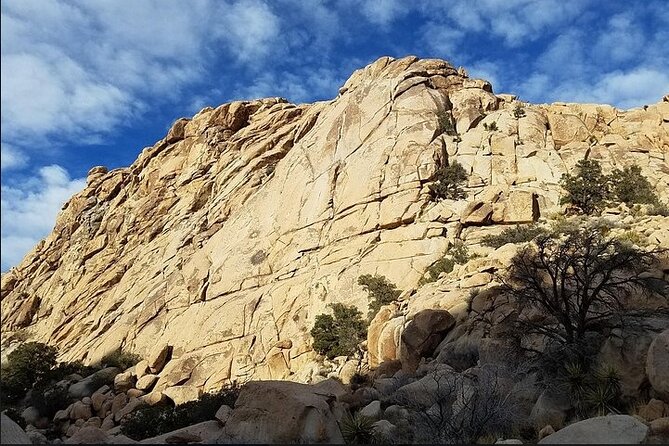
380, 290
448, 182
340, 333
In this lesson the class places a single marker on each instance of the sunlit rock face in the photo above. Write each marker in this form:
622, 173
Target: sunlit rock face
226, 238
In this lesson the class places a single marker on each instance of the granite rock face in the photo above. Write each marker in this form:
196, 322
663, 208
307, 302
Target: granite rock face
240, 226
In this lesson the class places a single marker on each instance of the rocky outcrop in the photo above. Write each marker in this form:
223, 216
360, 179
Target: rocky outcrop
612, 429
12, 432
283, 412
240, 226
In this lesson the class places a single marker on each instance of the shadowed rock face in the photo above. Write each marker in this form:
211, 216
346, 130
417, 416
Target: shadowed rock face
246, 221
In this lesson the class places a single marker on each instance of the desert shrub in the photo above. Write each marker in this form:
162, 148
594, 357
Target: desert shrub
150, 421
28, 364
443, 265
119, 358
340, 333
446, 123
518, 111
360, 380
461, 408
381, 292
633, 238
357, 429
457, 253
517, 234
448, 182
48, 398
587, 189
492, 127
660, 209
580, 283
64, 369
629, 186
592, 391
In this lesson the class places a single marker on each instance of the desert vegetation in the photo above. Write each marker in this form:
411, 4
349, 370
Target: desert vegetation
449, 181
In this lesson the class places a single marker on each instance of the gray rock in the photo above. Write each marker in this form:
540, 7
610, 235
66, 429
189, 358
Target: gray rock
30, 415
385, 429
207, 432
124, 381
223, 413
36, 437
372, 410
612, 429
657, 364
11, 432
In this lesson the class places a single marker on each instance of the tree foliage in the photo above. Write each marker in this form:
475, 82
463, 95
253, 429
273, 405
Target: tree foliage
381, 292
151, 421
340, 333
517, 234
30, 363
629, 186
587, 189
581, 282
449, 182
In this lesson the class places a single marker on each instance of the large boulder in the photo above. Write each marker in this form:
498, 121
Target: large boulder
422, 336
158, 357
657, 364
88, 385
206, 432
282, 412
612, 429
11, 433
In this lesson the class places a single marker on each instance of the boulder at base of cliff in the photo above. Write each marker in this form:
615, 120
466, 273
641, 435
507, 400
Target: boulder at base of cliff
11, 432
612, 429
422, 336
282, 412
657, 364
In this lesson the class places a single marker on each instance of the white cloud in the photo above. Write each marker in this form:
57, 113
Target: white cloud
250, 28
28, 212
383, 12
11, 157
625, 88
295, 86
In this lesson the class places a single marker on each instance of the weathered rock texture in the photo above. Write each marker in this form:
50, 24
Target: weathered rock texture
240, 226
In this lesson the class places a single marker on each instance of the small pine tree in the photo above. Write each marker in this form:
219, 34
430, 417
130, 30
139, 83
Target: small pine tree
588, 189
630, 186
449, 181
340, 333
380, 290
518, 111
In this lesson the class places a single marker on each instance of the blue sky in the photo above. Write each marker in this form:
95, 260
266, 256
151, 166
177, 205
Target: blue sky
88, 83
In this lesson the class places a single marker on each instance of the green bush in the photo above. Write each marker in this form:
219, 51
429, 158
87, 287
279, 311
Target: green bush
443, 265
518, 111
587, 189
593, 392
629, 186
492, 127
339, 334
457, 253
357, 429
381, 292
517, 234
49, 399
448, 182
119, 358
446, 123
30, 363
660, 209
150, 421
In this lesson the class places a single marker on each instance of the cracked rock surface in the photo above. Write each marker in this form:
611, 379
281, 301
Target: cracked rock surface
227, 237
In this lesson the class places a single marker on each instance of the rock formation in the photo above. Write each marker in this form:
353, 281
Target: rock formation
226, 238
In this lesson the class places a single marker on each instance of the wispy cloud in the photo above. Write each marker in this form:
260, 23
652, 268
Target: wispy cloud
29, 212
